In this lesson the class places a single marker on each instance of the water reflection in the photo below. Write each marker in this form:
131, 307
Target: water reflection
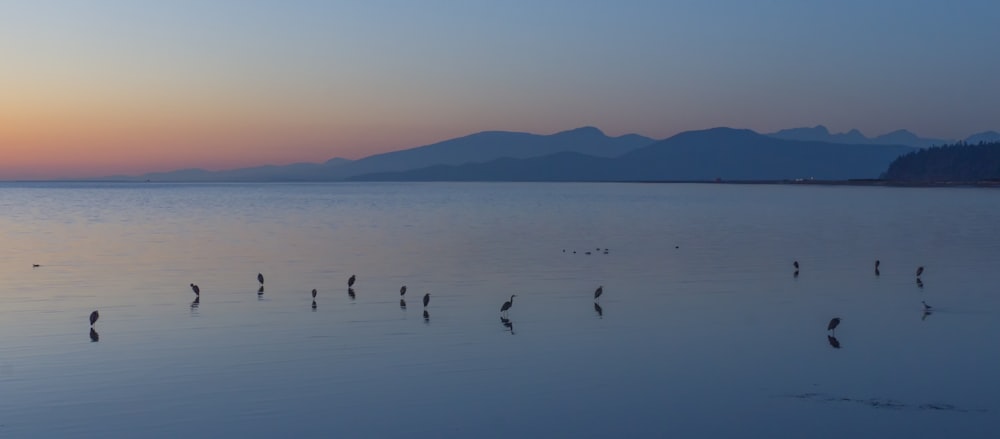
508, 324
834, 343
877, 273
427, 317
94, 336
402, 304
599, 310
260, 291
314, 305
195, 303
920, 283
925, 314
350, 293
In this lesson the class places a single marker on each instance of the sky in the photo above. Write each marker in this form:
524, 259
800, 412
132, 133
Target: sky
99, 88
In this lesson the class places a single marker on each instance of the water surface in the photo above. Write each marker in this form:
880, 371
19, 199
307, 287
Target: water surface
704, 331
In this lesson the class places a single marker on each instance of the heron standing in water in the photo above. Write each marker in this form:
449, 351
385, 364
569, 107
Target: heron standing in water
506, 305
197, 291
598, 292
93, 317
834, 322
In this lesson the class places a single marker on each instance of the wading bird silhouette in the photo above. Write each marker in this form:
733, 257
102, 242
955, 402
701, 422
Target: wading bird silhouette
260, 278
93, 317
506, 305
834, 322
427, 299
350, 281
197, 291
598, 292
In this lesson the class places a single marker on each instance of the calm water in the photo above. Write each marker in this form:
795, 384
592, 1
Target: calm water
705, 331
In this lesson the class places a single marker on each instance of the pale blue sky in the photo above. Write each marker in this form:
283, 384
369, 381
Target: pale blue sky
326, 78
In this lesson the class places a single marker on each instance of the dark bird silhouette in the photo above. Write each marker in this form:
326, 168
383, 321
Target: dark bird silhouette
877, 263
506, 305
600, 311
93, 317
260, 278
920, 270
833, 341
197, 291
926, 306
598, 292
796, 265
834, 322
586, 253
402, 303
35, 265
350, 292
427, 299
402, 290
94, 336
314, 293
350, 281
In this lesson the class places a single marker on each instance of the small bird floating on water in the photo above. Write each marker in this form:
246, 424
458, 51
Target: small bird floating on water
834, 322
598, 292
93, 317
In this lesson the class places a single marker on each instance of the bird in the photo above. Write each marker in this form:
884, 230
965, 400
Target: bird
834, 322
506, 305
598, 292
35, 265
402, 290
926, 306
314, 293
93, 317
260, 278
796, 265
427, 299
350, 281
920, 270
197, 291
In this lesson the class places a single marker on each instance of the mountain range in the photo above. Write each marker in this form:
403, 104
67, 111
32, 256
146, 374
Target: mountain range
587, 154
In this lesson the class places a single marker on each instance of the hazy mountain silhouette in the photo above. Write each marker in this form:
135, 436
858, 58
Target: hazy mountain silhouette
820, 133
725, 153
984, 137
479, 147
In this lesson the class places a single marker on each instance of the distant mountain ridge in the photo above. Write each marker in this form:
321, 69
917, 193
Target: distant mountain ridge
473, 148
718, 153
820, 133
582, 154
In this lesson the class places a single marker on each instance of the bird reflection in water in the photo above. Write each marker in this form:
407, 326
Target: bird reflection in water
920, 283
350, 292
260, 291
94, 336
925, 314
427, 317
834, 343
599, 310
314, 305
402, 304
507, 324
195, 303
